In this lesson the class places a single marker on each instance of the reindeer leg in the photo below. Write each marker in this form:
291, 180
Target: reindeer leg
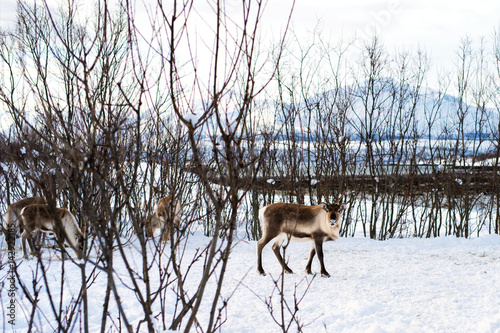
25, 235
178, 226
309, 261
177, 230
318, 244
34, 241
42, 240
260, 245
165, 232
276, 249
31, 243
164, 235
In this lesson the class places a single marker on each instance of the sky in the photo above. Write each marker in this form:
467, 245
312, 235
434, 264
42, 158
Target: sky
436, 26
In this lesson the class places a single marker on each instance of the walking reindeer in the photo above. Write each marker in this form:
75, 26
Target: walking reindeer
287, 221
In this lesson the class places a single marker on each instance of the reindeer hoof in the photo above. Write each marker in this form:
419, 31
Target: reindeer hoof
262, 273
325, 275
288, 271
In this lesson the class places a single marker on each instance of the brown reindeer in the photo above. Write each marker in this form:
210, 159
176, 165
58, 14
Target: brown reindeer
287, 221
166, 216
13, 226
39, 217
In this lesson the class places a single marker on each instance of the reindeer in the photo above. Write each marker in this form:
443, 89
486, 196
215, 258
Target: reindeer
167, 215
13, 225
282, 221
39, 217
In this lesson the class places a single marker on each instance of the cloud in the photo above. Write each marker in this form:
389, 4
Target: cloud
8, 13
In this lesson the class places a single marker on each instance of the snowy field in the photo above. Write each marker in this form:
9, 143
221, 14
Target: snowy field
402, 285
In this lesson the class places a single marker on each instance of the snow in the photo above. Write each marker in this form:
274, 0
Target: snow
194, 117
411, 285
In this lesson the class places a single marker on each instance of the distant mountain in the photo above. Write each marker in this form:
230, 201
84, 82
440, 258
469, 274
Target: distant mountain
387, 108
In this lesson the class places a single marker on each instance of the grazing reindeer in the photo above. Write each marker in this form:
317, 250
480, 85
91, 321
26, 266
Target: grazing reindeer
13, 217
282, 221
163, 218
39, 217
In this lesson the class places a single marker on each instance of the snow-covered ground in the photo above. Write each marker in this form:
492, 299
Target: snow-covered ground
402, 285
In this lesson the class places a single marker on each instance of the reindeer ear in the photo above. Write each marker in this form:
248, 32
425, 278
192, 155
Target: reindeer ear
324, 206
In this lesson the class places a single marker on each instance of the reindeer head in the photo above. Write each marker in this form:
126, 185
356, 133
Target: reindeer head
80, 242
334, 209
